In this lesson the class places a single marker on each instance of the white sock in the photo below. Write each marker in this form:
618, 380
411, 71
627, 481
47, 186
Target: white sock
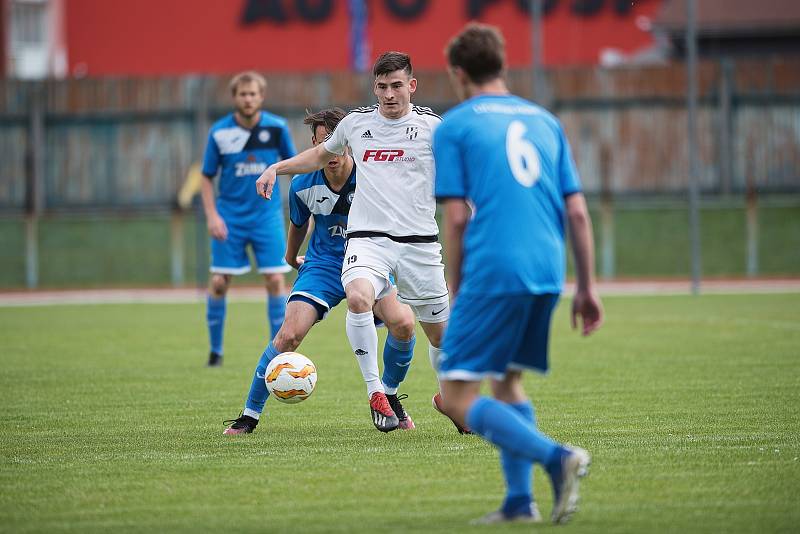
363, 337
434, 353
389, 390
251, 413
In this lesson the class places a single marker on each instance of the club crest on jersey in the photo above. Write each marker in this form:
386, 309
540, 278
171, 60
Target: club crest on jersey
411, 132
263, 136
391, 155
350, 196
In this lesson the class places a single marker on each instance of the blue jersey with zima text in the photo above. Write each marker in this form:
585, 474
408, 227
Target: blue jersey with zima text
243, 154
312, 195
510, 160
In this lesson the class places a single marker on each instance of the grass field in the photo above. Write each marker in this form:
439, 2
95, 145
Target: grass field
690, 407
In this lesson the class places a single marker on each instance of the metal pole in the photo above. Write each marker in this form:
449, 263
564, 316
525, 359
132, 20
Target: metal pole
35, 184
537, 50
694, 193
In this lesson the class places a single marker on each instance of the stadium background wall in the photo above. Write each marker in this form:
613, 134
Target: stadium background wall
279, 35
89, 169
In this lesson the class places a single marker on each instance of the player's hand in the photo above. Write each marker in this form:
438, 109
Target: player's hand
217, 227
296, 262
266, 182
588, 307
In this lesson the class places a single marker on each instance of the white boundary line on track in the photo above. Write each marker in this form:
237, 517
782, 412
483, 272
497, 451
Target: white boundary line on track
255, 294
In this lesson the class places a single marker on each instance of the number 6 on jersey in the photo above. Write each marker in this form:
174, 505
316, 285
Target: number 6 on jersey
522, 155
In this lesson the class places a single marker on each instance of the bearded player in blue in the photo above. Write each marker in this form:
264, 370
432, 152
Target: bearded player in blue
243, 144
505, 174
325, 196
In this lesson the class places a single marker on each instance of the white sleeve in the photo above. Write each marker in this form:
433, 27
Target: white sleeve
433, 123
336, 142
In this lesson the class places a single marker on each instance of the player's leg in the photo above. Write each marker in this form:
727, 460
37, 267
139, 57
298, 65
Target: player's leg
228, 258
514, 336
300, 317
276, 301
365, 277
517, 471
316, 290
398, 350
215, 316
421, 284
269, 244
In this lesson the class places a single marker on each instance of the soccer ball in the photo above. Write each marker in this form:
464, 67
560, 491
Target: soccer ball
291, 377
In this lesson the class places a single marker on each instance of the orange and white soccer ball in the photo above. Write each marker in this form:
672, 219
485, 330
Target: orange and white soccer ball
291, 377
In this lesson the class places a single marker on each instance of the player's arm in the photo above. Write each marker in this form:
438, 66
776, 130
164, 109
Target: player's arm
211, 162
586, 303
307, 161
456, 216
216, 225
294, 240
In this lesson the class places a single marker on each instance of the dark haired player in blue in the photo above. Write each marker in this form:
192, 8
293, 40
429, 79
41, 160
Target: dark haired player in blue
243, 144
325, 195
505, 174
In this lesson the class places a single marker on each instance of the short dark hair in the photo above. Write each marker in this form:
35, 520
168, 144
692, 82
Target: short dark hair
479, 50
392, 61
328, 118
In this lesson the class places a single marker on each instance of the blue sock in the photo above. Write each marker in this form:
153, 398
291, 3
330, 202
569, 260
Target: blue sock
258, 388
215, 319
396, 361
517, 471
276, 309
503, 426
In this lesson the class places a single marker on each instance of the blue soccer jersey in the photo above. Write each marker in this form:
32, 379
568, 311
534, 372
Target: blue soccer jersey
243, 155
510, 159
311, 195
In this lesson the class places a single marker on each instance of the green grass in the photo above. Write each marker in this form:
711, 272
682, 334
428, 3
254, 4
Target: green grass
690, 407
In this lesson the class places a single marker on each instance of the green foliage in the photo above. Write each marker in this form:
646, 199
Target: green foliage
690, 407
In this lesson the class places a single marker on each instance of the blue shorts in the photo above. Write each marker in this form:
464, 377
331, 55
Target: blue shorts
267, 240
487, 336
319, 284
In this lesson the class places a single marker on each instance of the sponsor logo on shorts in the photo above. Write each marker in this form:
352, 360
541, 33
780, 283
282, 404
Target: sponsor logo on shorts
390, 155
437, 312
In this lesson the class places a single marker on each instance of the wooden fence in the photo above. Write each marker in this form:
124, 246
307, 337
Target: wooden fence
127, 144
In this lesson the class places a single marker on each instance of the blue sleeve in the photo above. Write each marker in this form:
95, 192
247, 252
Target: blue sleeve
450, 174
211, 158
298, 211
287, 145
568, 177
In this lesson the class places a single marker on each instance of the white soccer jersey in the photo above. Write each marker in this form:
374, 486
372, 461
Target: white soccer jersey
394, 170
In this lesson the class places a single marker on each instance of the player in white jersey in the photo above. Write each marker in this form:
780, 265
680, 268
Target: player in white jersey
391, 229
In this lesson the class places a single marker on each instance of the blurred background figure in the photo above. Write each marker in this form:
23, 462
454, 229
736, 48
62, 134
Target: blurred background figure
243, 144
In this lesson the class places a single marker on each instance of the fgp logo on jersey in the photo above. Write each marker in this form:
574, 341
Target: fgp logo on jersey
390, 155
250, 167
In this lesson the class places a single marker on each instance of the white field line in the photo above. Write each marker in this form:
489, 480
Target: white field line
250, 294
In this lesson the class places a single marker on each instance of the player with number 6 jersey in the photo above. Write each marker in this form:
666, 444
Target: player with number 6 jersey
505, 174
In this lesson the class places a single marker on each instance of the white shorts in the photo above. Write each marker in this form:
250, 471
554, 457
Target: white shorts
417, 269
